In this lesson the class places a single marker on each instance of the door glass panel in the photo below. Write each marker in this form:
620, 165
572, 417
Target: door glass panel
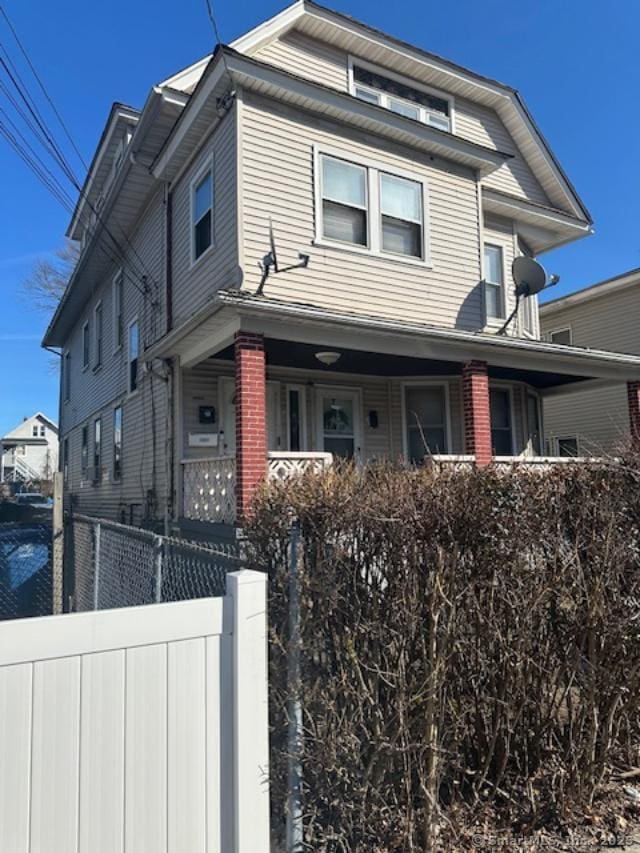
338, 425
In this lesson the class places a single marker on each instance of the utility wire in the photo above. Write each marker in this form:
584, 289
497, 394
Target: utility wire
216, 33
42, 86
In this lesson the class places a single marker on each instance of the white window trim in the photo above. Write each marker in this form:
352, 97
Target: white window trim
550, 332
98, 308
503, 386
358, 431
86, 350
493, 322
302, 391
374, 217
426, 383
407, 81
133, 322
206, 166
119, 276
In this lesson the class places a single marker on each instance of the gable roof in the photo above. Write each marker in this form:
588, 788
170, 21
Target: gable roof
39, 416
593, 291
369, 43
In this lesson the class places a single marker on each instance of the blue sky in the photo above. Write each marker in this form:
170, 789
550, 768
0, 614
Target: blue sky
575, 62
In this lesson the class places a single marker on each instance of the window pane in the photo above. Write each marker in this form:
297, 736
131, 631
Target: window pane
400, 90
337, 415
430, 440
401, 238
567, 446
500, 408
117, 442
400, 198
344, 182
202, 197
493, 300
562, 336
403, 109
203, 234
294, 421
347, 224
441, 122
501, 440
134, 346
493, 264
366, 95
426, 416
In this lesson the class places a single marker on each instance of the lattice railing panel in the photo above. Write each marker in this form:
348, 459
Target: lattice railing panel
209, 489
282, 466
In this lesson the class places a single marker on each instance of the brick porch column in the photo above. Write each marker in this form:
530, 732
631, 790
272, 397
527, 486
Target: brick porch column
251, 419
633, 397
477, 415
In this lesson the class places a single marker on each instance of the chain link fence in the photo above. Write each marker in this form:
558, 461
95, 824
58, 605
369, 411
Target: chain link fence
25, 569
114, 565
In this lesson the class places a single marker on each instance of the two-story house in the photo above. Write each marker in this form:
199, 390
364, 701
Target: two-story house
592, 420
396, 188
29, 452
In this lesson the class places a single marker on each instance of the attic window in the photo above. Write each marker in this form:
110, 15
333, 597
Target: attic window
392, 93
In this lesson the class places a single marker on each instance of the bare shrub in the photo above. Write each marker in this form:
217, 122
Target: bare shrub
469, 646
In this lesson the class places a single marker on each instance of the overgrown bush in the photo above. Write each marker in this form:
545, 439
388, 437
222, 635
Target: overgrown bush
470, 646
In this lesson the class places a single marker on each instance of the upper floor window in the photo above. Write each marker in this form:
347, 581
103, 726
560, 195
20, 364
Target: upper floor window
388, 90
202, 213
494, 282
43, 432
97, 447
86, 345
84, 450
134, 353
118, 315
97, 323
561, 336
370, 208
34, 431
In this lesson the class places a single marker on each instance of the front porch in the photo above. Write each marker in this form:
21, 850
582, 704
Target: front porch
262, 393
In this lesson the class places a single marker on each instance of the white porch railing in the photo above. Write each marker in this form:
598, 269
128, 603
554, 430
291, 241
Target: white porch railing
284, 464
506, 462
209, 484
209, 489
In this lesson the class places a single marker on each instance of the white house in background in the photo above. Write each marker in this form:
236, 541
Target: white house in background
30, 451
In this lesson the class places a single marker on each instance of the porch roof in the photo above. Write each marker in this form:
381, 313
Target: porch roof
387, 345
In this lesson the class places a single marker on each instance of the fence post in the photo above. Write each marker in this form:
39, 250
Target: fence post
158, 555
294, 830
57, 557
248, 592
96, 566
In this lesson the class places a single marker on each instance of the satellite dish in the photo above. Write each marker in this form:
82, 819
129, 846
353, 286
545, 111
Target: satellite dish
530, 276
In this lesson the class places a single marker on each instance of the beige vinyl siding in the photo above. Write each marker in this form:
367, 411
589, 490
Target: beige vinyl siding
278, 184
599, 418
306, 57
195, 284
96, 393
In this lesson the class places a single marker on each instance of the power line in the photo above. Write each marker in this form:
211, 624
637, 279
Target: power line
42, 86
216, 33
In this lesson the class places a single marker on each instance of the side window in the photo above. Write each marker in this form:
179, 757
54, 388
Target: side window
202, 214
117, 443
494, 301
97, 323
133, 355
118, 315
86, 345
84, 452
97, 447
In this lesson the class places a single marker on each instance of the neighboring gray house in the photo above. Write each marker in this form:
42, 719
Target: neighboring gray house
603, 316
408, 182
29, 452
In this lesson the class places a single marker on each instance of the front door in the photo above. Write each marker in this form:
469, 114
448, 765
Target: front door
338, 423
227, 403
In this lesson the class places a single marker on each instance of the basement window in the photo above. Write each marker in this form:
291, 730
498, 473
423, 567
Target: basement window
394, 93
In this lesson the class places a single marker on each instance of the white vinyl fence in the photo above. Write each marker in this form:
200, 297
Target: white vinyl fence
138, 730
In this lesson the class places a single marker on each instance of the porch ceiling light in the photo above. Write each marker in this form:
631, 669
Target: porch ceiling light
328, 358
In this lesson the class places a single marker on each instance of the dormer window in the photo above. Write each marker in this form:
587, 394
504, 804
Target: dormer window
389, 91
